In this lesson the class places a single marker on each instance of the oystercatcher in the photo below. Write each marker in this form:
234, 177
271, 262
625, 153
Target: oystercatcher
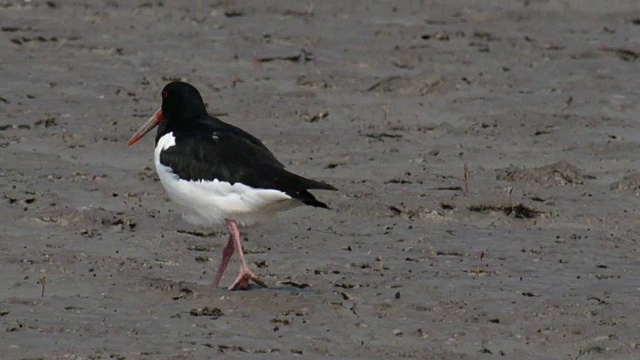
219, 173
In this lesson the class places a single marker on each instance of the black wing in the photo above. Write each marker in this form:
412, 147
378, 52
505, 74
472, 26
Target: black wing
210, 124
231, 157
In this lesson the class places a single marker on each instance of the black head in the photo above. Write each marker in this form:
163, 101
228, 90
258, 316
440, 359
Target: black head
182, 106
181, 103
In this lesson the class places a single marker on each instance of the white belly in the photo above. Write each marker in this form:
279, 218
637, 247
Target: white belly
211, 202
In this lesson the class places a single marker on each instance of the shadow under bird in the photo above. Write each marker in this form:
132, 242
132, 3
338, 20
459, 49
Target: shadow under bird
219, 173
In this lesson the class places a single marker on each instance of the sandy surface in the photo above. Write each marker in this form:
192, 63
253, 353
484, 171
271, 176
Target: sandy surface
534, 257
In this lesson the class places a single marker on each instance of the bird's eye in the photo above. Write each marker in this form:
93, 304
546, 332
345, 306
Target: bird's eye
165, 94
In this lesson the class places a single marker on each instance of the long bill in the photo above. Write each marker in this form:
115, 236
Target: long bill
148, 126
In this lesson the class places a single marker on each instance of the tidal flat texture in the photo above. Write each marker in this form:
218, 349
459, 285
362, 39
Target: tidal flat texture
487, 155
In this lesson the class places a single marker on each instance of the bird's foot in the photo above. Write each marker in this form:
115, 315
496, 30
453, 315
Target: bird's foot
242, 281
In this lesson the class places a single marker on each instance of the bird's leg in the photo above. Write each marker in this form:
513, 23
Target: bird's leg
242, 281
226, 256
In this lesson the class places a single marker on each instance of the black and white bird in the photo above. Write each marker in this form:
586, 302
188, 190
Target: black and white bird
219, 173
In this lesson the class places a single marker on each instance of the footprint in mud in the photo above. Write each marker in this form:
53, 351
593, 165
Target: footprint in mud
630, 182
561, 173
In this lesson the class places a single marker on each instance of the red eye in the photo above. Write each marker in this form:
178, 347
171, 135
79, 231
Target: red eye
165, 94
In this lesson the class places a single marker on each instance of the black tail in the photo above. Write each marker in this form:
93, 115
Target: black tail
312, 184
306, 197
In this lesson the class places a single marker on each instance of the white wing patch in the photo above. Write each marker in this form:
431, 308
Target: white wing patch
210, 202
165, 142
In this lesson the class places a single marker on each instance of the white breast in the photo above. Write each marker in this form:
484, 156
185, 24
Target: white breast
210, 202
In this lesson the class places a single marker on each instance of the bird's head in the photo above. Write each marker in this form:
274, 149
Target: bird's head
182, 104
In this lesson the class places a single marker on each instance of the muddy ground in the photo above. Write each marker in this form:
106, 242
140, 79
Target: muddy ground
486, 155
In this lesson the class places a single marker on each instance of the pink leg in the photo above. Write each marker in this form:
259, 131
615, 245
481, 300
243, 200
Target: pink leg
242, 281
226, 256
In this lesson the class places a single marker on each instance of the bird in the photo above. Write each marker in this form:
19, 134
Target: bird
220, 174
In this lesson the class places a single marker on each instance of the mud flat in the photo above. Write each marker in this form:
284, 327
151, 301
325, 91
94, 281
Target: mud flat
487, 160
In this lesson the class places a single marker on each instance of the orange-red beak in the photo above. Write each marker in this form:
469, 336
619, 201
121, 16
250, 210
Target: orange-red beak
148, 126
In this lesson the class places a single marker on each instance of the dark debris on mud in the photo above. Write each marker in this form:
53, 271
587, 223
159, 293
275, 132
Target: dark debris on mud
519, 211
